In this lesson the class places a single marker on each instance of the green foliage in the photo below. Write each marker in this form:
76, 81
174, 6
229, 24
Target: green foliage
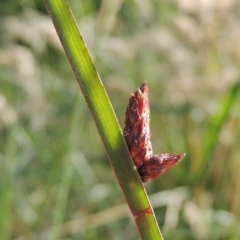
53, 169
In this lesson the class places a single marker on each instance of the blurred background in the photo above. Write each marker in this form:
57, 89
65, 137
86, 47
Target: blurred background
55, 179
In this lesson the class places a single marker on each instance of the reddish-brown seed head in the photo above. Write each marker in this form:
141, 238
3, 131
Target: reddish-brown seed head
136, 131
157, 165
137, 137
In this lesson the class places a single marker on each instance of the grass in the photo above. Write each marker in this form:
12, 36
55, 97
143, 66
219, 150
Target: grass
105, 120
54, 171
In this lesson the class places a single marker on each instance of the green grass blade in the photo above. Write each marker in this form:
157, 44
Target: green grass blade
215, 126
104, 117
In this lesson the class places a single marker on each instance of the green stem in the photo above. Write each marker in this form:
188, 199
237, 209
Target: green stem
104, 117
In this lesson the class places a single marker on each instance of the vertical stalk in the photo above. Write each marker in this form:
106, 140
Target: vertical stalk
104, 117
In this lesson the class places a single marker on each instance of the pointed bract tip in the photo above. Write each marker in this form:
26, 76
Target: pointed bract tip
144, 87
158, 164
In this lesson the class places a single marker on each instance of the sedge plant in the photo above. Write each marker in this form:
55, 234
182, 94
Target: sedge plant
104, 117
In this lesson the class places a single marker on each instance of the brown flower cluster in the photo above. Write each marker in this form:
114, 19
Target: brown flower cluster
137, 137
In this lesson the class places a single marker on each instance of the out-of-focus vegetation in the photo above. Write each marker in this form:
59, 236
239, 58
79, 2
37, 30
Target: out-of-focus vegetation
55, 178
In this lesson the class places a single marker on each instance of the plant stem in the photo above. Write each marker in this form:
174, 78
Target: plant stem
104, 117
